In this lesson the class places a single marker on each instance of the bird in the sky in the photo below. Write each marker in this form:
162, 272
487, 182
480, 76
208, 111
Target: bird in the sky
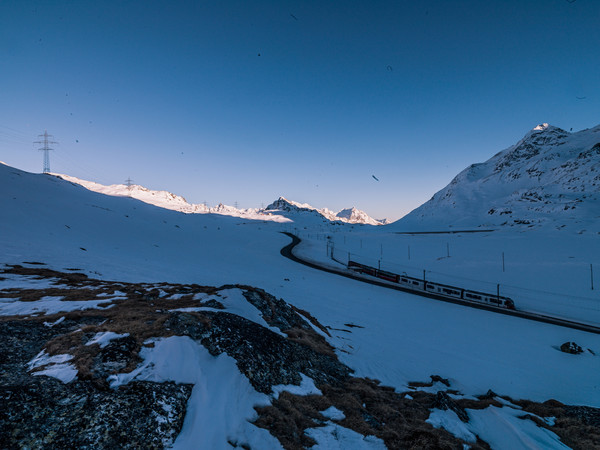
376, 179
293, 16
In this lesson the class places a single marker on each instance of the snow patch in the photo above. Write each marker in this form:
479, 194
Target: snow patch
499, 427
53, 366
333, 413
335, 437
222, 402
47, 305
235, 303
306, 387
450, 421
104, 338
56, 322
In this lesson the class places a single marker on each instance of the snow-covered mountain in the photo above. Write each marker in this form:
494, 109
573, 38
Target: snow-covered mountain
168, 200
281, 210
550, 177
163, 199
290, 208
354, 215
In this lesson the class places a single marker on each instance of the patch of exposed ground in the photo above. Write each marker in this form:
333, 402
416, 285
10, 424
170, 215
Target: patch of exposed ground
577, 426
43, 412
140, 312
369, 409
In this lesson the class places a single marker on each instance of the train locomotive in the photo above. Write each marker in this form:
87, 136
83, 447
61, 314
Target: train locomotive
437, 289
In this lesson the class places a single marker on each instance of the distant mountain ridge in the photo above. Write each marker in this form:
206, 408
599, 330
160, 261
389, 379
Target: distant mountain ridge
348, 215
276, 211
550, 177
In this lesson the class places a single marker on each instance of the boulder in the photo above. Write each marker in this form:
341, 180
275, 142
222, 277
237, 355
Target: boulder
571, 347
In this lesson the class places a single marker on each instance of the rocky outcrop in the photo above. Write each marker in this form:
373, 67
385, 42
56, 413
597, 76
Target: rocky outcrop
40, 411
43, 412
571, 347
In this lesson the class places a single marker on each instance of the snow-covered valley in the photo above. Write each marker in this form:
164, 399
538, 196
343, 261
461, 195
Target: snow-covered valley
395, 337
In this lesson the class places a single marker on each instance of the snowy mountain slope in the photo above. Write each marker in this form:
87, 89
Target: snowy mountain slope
354, 215
274, 212
549, 178
168, 200
381, 334
350, 215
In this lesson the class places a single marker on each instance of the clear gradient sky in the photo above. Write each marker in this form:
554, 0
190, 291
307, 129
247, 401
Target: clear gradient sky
244, 101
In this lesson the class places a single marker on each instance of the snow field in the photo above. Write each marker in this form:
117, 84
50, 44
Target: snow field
544, 271
402, 337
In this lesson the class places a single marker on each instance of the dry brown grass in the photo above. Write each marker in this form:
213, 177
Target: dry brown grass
577, 427
311, 319
290, 415
369, 409
311, 339
139, 318
142, 315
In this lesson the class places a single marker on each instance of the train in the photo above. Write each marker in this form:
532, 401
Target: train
438, 289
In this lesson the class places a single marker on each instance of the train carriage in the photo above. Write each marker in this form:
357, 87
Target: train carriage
443, 290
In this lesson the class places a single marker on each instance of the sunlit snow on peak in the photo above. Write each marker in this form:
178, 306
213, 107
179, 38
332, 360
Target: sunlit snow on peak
541, 127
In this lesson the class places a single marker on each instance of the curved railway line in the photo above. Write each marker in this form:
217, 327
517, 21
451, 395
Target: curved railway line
287, 252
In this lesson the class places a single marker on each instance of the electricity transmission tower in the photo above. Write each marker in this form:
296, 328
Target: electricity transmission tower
129, 183
46, 149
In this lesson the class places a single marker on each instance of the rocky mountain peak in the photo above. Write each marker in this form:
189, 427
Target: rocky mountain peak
348, 215
550, 176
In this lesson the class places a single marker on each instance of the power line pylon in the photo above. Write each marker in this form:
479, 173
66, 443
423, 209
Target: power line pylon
129, 183
46, 149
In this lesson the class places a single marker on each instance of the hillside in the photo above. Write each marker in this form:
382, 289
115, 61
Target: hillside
282, 210
549, 178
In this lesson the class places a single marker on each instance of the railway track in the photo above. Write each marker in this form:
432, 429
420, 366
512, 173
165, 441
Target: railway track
287, 252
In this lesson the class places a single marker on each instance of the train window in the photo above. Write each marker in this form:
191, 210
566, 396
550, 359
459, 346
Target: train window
404, 280
415, 283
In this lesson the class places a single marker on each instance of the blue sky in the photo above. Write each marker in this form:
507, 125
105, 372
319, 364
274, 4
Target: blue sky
240, 101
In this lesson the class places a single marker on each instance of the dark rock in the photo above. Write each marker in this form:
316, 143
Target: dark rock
435, 378
586, 414
212, 303
42, 412
114, 357
488, 395
45, 413
444, 402
264, 357
276, 312
571, 347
